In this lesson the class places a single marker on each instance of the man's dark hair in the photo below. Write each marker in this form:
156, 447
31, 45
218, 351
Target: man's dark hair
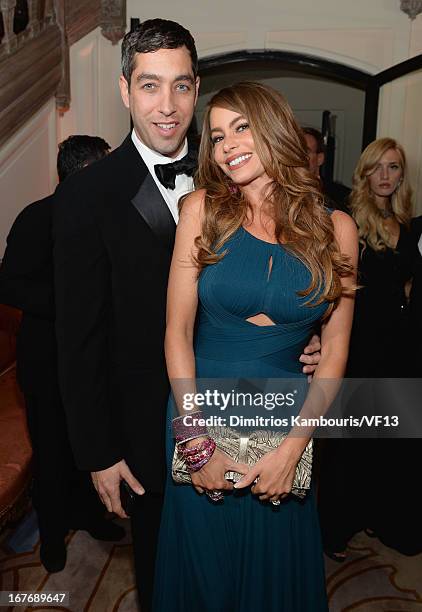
78, 151
318, 137
152, 35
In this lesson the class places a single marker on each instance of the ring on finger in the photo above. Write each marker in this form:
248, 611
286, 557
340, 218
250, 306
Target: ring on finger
215, 495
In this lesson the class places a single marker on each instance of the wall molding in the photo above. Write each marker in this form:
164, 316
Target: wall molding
412, 8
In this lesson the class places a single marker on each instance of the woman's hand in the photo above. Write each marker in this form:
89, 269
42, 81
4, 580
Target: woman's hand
211, 476
275, 472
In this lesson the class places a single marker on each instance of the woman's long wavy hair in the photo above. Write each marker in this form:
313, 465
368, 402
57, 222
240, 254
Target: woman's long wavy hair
293, 199
372, 230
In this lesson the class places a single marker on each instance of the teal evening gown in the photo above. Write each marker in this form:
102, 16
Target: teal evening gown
242, 554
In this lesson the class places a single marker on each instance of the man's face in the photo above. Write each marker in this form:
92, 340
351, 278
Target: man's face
162, 98
315, 159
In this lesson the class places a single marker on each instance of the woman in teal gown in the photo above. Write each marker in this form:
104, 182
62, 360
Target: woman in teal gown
255, 315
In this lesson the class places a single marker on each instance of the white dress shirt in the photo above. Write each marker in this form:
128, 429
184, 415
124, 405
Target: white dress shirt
184, 183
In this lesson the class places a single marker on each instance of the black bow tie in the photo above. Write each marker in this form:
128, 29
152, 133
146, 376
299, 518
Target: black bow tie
166, 173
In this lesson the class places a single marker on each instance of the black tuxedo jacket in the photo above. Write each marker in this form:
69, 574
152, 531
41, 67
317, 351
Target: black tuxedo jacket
113, 241
26, 282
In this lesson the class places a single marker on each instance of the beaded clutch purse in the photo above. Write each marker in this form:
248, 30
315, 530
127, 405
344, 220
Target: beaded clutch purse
249, 449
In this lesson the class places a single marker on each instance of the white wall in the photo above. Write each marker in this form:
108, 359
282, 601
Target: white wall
406, 126
96, 107
369, 35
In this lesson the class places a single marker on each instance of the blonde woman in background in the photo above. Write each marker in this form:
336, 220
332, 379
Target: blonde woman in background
382, 208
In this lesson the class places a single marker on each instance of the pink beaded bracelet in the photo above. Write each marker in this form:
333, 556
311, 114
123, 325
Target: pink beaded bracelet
193, 450
197, 456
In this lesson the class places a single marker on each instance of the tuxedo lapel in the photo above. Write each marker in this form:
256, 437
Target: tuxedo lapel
148, 200
153, 209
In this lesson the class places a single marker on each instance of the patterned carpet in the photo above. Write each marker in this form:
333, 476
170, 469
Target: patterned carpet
99, 577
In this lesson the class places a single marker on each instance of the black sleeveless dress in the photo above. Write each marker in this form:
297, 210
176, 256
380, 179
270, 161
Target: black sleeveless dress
375, 478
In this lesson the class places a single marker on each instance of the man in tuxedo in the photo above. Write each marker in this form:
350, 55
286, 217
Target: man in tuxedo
114, 229
114, 232
62, 495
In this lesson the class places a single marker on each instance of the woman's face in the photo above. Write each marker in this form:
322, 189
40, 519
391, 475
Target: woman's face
234, 147
386, 176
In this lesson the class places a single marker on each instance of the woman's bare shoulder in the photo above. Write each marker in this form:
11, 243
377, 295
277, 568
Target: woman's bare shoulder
343, 223
193, 204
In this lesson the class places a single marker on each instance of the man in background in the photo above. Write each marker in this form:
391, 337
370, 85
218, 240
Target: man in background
63, 496
336, 194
